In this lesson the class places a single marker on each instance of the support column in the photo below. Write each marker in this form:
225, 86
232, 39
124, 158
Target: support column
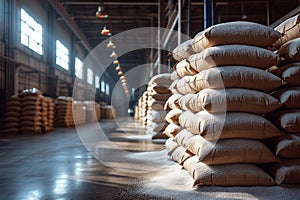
10, 37
208, 13
72, 64
51, 52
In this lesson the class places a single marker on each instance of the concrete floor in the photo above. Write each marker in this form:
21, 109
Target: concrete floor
57, 166
121, 163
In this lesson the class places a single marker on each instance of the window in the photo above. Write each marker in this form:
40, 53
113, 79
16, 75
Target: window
62, 55
89, 78
31, 33
102, 86
97, 81
78, 68
107, 89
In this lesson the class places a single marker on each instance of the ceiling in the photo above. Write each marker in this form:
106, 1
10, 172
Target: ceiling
129, 14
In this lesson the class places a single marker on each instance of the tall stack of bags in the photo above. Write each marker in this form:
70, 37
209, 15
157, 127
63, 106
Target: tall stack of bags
51, 113
31, 111
64, 112
287, 146
79, 114
92, 111
220, 98
12, 115
158, 94
143, 109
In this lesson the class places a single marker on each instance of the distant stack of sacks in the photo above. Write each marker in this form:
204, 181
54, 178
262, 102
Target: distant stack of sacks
220, 98
93, 111
143, 108
32, 111
12, 115
287, 146
47, 114
51, 113
107, 112
63, 112
158, 94
79, 114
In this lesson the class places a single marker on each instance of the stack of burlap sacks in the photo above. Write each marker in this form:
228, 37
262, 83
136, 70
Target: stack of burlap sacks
64, 112
143, 107
219, 102
79, 114
93, 112
29, 112
287, 146
107, 112
12, 115
158, 93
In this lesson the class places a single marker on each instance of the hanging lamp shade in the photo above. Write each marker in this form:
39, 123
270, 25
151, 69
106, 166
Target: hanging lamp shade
116, 62
100, 13
122, 78
120, 73
124, 84
118, 68
110, 44
113, 55
105, 31
123, 81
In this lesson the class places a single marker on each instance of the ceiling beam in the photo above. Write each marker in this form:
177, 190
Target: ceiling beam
56, 4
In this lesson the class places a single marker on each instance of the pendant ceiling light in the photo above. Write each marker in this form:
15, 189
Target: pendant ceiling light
122, 78
118, 68
113, 55
105, 31
120, 73
110, 44
100, 12
116, 62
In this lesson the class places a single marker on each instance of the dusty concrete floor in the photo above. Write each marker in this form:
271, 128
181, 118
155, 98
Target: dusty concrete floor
121, 163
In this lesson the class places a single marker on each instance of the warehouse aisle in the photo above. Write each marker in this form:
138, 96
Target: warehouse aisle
57, 166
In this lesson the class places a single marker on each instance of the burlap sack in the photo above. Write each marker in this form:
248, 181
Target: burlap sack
289, 97
174, 76
285, 146
180, 154
12, 113
235, 77
173, 87
234, 125
12, 119
161, 97
9, 125
292, 74
171, 103
287, 171
290, 50
241, 32
240, 55
288, 120
184, 101
173, 115
171, 145
161, 79
183, 86
158, 116
171, 130
160, 89
290, 29
225, 151
14, 103
183, 68
182, 51
226, 175
236, 100
157, 105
